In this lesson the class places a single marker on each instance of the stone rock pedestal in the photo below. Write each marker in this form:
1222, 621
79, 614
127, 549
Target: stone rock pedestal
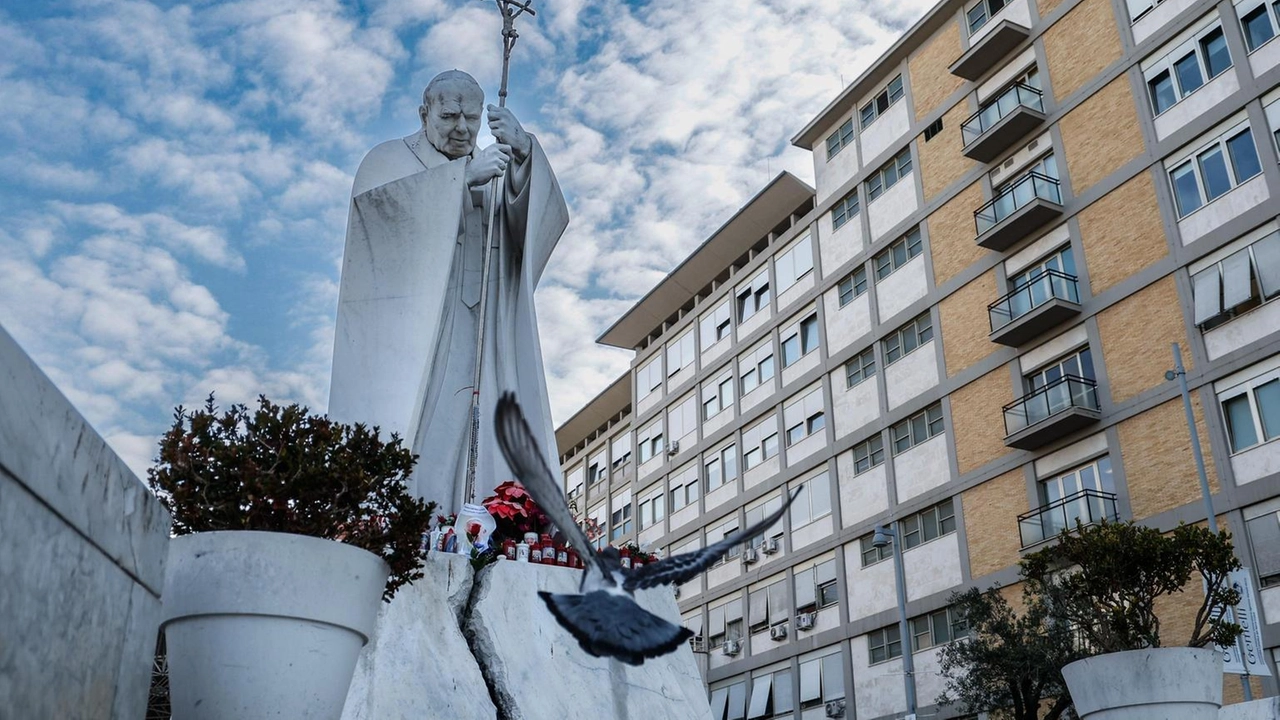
1265, 709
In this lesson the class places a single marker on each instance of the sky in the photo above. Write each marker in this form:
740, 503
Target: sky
175, 177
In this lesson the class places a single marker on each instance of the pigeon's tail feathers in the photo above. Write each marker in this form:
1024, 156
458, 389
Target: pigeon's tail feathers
611, 625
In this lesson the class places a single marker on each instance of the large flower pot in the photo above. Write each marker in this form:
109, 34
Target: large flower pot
266, 625
1177, 683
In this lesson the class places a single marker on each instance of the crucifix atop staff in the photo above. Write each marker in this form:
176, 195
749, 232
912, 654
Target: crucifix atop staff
445, 246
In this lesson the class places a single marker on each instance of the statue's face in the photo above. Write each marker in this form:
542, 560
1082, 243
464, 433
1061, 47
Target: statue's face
451, 118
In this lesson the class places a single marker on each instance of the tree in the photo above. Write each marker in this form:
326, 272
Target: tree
1010, 661
1104, 580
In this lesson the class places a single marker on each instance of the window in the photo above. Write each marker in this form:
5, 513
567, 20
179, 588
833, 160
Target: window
937, 628
801, 340
916, 429
889, 175
756, 367
721, 466
979, 14
814, 503
595, 469
794, 264
879, 104
620, 521
766, 606
1078, 364
872, 554
821, 680
884, 644
932, 130
861, 367
620, 450
804, 416
1064, 492
1238, 283
757, 514
853, 285
770, 695
845, 209
759, 443
754, 296
717, 396
1258, 20
649, 377
724, 623
684, 488
897, 254
682, 419
680, 354
1264, 538
840, 139
1216, 168
653, 510
868, 454
1009, 195
1252, 411
715, 325
1027, 290
1186, 68
573, 485
928, 524
723, 532
650, 442
907, 338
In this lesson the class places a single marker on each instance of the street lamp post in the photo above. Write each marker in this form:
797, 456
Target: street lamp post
886, 536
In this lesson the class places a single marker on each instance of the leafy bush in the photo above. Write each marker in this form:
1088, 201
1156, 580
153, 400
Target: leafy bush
1103, 581
280, 469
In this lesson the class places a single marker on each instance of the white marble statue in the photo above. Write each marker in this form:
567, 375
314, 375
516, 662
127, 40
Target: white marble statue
409, 304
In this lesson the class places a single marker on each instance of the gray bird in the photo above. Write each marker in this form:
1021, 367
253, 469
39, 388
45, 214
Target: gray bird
603, 616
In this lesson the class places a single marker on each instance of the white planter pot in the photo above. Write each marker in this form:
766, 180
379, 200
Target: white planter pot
1177, 683
266, 625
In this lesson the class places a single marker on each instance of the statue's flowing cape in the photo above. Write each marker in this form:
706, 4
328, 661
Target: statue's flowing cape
393, 312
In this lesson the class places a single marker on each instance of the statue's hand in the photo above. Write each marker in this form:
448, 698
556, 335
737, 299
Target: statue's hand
488, 164
506, 129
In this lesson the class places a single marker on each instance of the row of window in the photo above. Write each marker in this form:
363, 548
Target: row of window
936, 628
928, 524
821, 681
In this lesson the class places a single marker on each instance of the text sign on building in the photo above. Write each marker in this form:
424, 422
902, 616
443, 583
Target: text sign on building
1245, 657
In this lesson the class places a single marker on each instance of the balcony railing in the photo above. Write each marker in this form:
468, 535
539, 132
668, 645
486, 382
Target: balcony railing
1087, 506
1033, 295
1018, 95
1064, 405
1022, 192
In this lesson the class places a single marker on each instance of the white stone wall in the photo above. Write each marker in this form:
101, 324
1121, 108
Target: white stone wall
862, 496
923, 467
892, 207
911, 375
904, 286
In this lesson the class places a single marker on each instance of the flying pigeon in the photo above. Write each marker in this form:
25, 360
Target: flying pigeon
603, 616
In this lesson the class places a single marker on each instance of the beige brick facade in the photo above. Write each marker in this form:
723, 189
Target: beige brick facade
978, 421
991, 524
1136, 333
965, 325
1101, 135
952, 233
1122, 233
1081, 45
941, 163
931, 81
1047, 6
1160, 470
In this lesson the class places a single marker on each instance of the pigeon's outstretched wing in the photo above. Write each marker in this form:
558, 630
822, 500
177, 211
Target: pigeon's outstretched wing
612, 625
684, 567
524, 457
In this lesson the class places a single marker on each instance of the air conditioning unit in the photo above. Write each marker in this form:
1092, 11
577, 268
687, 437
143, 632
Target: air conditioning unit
778, 632
770, 546
835, 709
673, 448
731, 647
750, 556
804, 621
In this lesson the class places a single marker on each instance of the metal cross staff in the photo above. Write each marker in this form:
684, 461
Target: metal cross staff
510, 9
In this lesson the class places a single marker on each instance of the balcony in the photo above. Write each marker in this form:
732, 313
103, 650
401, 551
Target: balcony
1000, 123
1051, 412
1033, 308
1088, 507
1021, 208
987, 51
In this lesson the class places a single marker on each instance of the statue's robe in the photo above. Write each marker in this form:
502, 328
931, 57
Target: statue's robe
408, 308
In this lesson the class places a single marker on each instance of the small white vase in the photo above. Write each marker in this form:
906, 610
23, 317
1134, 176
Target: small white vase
1176, 683
265, 625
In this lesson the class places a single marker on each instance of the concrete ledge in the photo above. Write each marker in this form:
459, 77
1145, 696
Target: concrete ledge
1267, 709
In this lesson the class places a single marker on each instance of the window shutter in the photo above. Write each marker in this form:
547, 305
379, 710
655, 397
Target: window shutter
1266, 252
760, 696
733, 611
1264, 536
779, 610
1206, 286
832, 677
805, 595
737, 701
810, 681
716, 626
694, 624
813, 403
758, 608
719, 699
1236, 285
826, 572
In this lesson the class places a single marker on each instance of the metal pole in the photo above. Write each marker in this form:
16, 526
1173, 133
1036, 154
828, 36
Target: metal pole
908, 663
1205, 492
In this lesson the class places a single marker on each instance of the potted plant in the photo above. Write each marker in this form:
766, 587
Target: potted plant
1103, 583
289, 527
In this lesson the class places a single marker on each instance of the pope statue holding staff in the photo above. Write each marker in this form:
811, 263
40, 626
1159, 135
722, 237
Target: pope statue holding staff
413, 327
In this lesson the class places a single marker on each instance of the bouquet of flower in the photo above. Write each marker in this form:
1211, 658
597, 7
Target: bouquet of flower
514, 510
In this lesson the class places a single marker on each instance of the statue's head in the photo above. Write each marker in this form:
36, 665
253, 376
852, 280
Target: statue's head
451, 108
